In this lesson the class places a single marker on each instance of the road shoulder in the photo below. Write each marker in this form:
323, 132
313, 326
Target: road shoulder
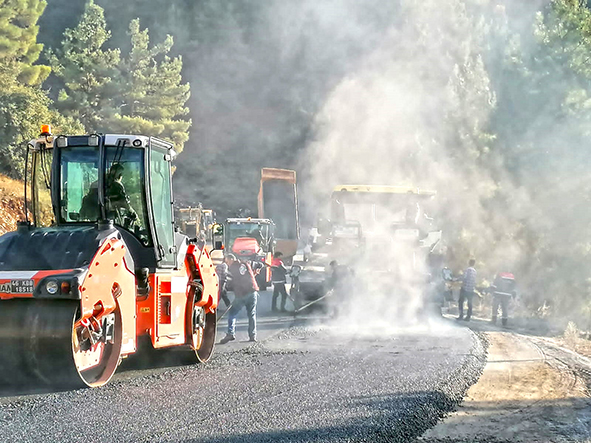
529, 391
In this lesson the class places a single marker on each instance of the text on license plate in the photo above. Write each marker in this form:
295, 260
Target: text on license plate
24, 286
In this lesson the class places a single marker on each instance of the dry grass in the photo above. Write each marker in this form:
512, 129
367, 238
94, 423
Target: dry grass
12, 194
10, 187
576, 340
11, 203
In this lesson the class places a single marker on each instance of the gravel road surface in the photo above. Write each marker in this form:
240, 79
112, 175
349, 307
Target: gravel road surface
305, 380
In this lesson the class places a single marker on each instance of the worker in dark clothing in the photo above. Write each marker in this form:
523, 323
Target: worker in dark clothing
222, 272
467, 290
115, 196
246, 293
340, 276
503, 289
201, 240
278, 277
340, 282
89, 211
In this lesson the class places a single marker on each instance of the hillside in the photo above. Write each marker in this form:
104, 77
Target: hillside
11, 203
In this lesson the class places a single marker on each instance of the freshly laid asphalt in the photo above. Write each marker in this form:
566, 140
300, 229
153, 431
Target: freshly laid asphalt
306, 380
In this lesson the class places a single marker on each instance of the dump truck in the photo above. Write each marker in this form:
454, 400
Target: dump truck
79, 288
278, 201
253, 240
373, 229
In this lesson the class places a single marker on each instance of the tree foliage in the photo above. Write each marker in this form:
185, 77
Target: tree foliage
18, 39
24, 106
152, 97
88, 71
141, 92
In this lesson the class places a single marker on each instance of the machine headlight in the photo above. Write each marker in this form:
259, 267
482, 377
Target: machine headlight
51, 287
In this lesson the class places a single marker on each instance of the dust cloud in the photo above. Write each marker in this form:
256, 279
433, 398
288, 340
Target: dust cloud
458, 96
421, 109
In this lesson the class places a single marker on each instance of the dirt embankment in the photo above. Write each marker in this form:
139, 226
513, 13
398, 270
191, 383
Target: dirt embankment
532, 390
11, 203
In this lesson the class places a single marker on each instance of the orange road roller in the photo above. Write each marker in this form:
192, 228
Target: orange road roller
97, 264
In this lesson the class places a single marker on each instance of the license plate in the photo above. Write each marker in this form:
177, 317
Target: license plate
24, 286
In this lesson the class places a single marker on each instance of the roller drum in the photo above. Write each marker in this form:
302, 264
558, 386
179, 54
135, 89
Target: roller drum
39, 345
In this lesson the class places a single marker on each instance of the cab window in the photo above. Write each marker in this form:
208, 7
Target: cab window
162, 204
125, 200
42, 207
124, 196
79, 184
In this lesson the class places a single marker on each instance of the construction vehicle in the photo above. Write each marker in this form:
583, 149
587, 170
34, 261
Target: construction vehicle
79, 291
375, 229
253, 240
278, 201
196, 222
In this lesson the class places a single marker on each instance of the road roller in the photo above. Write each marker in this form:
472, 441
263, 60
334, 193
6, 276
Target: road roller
97, 264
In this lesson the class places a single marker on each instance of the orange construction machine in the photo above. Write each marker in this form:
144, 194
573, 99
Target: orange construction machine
278, 201
78, 290
253, 240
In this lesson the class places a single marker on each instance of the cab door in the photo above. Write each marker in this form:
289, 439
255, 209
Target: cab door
162, 210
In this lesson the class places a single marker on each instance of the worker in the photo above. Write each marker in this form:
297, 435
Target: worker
116, 197
340, 282
201, 240
245, 295
278, 278
89, 211
503, 289
222, 272
467, 290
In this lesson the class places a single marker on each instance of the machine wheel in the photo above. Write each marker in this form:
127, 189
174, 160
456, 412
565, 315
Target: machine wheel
97, 362
202, 331
43, 342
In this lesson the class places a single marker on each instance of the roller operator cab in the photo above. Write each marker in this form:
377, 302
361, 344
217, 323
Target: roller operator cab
99, 264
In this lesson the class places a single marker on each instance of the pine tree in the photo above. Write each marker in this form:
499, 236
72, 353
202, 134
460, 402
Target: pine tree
23, 109
18, 39
87, 70
152, 94
24, 106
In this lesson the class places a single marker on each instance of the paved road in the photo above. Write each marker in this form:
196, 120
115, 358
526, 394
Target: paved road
305, 380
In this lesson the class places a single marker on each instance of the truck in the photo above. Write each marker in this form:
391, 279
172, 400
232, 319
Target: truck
278, 201
253, 240
196, 221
